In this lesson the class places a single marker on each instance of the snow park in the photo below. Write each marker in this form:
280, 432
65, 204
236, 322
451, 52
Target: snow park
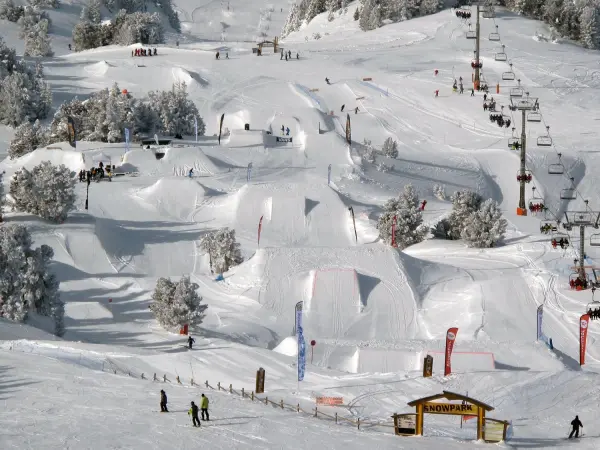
328, 224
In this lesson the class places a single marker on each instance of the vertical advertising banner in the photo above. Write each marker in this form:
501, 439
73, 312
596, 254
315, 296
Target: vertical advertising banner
450, 338
583, 328
127, 138
348, 130
221, 126
540, 316
301, 343
394, 221
259, 229
71, 131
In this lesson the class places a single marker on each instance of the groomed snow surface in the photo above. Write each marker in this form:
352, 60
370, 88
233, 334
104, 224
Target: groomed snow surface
374, 312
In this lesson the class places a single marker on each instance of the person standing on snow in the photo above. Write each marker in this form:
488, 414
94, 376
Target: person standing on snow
343, 106
287, 131
190, 342
356, 110
282, 130
191, 172
204, 407
327, 80
163, 401
194, 413
575, 423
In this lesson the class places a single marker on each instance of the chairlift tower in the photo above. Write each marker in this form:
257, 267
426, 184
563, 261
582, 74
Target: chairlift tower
524, 104
477, 60
581, 219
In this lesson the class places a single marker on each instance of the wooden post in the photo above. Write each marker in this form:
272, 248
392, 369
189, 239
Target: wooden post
219, 386
281, 403
143, 376
266, 400
298, 407
178, 380
419, 430
335, 417
252, 396
192, 382
231, 389
242, 392
207, 383
480, 419
504, 431
165, 378
316, 412
395, 417
155, 379
358, 423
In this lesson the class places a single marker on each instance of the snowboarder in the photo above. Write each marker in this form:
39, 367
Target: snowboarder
423, 203
154, 51
290, 54
435, 72
297, 55
191, 172
472, 92
356, 110
327, 80
286, 56
69, 47
204, 407
454, 86
343, 106
282, 130
194, 413
437, 92
227, 55
190, 342
575, 423
217, 55
163, 401
484, 97
281, 57
462, 89
287, 131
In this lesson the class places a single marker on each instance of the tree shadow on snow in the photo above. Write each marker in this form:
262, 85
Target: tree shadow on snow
8, 383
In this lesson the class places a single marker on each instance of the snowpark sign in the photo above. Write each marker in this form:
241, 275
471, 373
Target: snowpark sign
450, 408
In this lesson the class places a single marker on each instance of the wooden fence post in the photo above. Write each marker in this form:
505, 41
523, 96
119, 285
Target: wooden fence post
219, 386
358, 423
252, 396
231, 389
281, 403
242, 392
316, 412
207, 384
192, 382
335, 417
266, 400
155, 379
298, 407
165, 378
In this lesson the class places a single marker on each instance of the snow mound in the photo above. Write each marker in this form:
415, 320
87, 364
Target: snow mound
71, 159
176, 161
175, 197
294, 216
288, 347
190, 78
98, 69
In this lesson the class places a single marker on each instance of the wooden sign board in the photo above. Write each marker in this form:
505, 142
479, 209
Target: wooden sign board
407, 425
450, 408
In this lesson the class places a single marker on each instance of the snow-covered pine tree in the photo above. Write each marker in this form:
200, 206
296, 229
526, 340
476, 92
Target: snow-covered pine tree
290, 22
375, 18
47, 191
177, 304
364, 21
390, 148
28, 137
93, 12
223, 249
590, 26
356, 15
409, 219
485, 227
464, 203
11, 12
176, 111
332, 6
37, 41
187, 305
315, 8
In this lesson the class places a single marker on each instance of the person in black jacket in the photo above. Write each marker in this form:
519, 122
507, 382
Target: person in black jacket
575, 423
194, 412
163, 401
190, 342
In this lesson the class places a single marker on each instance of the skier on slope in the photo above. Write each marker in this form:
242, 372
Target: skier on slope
191, 172
204, 407
194, 413
287, 131
190, 342
575, 423
327, 80
343, 106
163, 401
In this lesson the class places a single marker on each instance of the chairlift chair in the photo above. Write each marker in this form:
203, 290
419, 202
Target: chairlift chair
558, 168
545, 141
471, 34
534, 116
595, 240
527, 176
494, 36
594, 308
508, 76
516, 92
514, 143
500, 56
549, 225
568, 194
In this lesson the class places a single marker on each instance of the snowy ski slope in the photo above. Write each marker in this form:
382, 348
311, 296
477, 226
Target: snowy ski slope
374, 312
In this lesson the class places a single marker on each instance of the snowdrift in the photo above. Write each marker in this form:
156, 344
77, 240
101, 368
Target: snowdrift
71, 159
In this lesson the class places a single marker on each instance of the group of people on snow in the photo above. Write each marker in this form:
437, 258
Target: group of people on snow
218, 55
95, 173
143, 52
344, 106
285, 131
288, 55
193, 411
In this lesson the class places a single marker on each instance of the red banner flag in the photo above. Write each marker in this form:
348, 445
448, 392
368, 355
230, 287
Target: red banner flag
583, 328
259, 229
450, 338
394, 232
